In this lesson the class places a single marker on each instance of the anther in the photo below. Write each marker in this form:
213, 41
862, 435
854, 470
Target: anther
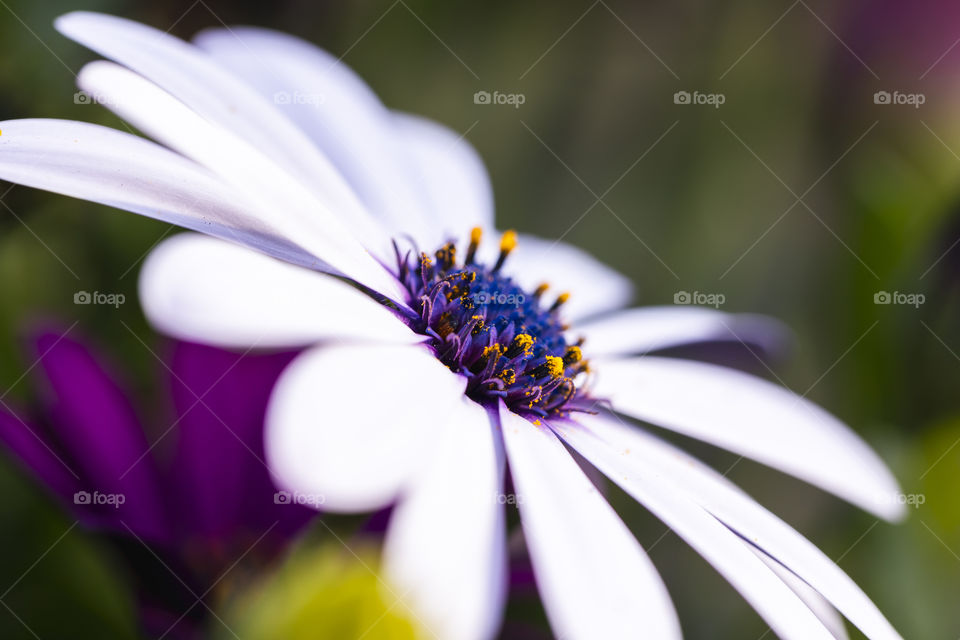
478, 326
508, 242
553, 367
445, 324
476, 234
572, 355
447, 256
426, 269
520, 345
562, 298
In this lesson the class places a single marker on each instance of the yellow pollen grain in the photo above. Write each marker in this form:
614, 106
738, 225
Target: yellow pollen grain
541, 289
476, 234
573, 355
562, 298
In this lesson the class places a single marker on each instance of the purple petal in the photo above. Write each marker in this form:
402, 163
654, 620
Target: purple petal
95, 424
32, 447
220, 399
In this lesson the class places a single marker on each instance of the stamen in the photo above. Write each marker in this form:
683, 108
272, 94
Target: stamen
476, 234
572, 355
445, 325
521, 344
555, 366
488, 359
447, 256
563, 297
508, 242
426, 269
478, 327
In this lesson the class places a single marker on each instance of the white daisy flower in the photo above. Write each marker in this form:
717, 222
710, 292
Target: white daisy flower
433, 361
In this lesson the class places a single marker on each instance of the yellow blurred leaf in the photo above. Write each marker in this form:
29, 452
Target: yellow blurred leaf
325, 592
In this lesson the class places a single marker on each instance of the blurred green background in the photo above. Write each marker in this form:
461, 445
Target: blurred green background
799, 196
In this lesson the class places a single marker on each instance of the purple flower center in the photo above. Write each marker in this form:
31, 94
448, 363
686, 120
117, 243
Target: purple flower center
503, 339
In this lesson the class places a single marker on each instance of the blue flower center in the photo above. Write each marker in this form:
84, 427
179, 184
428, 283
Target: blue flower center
507, 342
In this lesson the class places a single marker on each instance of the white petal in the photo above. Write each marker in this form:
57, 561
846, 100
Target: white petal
594, 579
645, 329
198, 288
445, 548
336, 109
451, 174
347, 425
593, 286
754, 418
120, 170
776, 603
632, 448
252, 175
196, 80
820, 607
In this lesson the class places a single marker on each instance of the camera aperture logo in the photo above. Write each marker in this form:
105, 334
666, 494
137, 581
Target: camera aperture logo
96, 498
112, 299
715, 300
85, 97
512, 99
481, 298
314, 500
712, 99
899, 298
898, 98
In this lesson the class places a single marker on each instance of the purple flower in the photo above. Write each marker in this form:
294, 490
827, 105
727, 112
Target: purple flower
187, 488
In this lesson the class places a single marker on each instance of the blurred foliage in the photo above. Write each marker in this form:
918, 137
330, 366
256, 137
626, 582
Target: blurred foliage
57, 579
323, 592
693, 198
